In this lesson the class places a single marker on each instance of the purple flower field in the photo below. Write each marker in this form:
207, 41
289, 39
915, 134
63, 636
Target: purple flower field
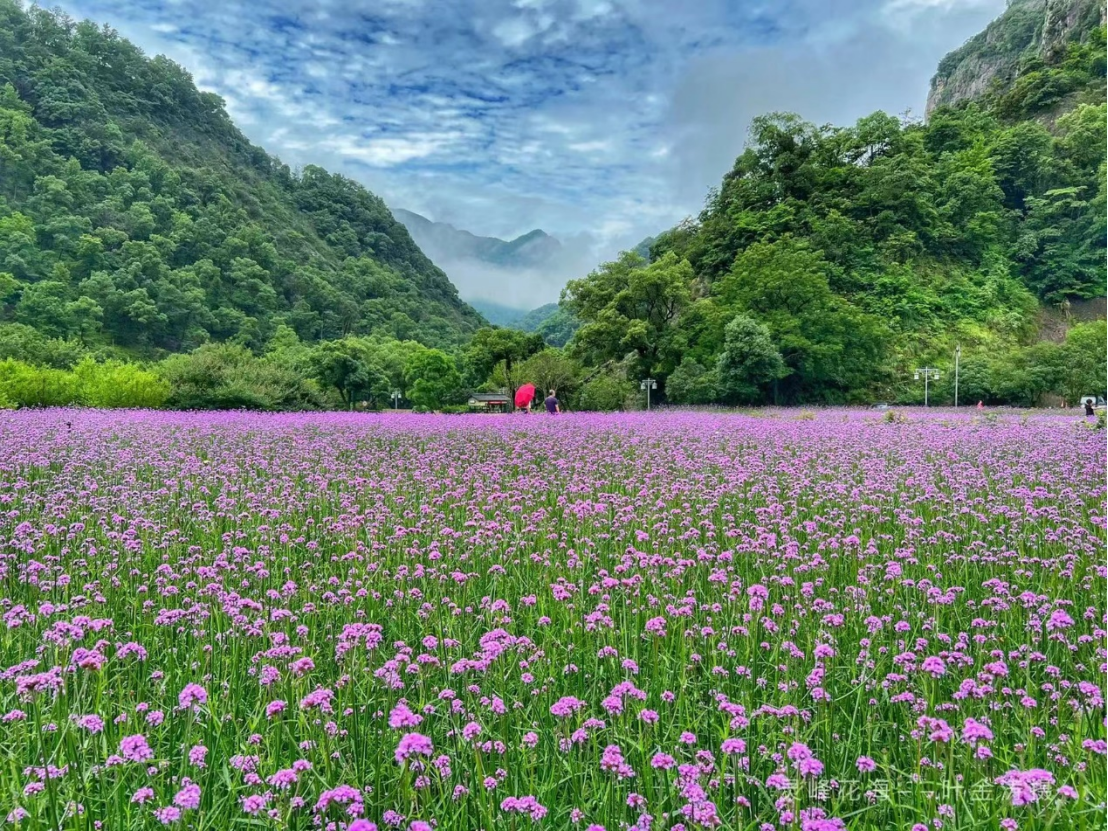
663, 621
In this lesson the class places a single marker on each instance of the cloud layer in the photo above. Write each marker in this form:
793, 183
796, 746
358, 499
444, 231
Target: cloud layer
601, 120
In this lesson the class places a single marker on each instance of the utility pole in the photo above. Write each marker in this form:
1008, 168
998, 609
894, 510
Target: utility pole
648, 384
957, 360
929, 374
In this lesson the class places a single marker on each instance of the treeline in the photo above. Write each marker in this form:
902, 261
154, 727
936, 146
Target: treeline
374, 372
380, 372
285, 375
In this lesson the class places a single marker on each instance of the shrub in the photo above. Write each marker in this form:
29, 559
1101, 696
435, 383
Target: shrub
114, 384
230, 377
110, 385
23, 385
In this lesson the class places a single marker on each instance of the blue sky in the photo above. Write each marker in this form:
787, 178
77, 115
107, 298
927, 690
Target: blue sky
600, 121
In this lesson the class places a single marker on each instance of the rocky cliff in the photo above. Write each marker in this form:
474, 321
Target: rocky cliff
1027, 30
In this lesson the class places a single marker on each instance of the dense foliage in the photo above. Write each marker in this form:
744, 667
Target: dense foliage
134, 214
867, 251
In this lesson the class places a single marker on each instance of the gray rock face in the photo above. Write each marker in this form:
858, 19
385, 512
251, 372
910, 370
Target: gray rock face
1027, 29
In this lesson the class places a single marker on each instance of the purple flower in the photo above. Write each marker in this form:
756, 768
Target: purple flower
934, 665
188, 797
197, 753
135, 749
167, 815
92, 723
413, 744
401, 717
192, 696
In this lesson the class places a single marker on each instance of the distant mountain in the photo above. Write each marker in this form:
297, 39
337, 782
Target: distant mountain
445, 243
534, 318
643, 248
512, 275
500, 315
555, 324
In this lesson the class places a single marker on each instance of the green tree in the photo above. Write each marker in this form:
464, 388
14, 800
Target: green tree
345, 366
975, 381
606, 390
1084, 361
228, 376
43, 307
1024, 376
432, 379
28, 345
830, 348
628, 306
500, 348
691, 383
551, 369
749, 360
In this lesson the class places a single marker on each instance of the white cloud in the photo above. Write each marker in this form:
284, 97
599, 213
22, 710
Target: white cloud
514, 31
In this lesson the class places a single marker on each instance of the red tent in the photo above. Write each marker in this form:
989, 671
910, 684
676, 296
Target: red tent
525, 395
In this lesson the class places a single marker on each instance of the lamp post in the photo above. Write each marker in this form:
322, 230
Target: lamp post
957, 360
929, 374
648, 384
396, 396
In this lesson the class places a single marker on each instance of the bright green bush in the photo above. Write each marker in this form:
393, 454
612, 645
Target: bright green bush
23, 385
114, 384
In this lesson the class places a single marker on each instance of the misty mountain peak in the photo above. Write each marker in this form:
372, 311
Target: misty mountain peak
519, 274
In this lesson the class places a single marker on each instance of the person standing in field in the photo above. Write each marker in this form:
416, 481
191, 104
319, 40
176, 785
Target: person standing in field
524, 396
553, 406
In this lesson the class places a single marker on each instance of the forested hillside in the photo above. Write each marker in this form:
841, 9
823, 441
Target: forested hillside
833, 261
135, 217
